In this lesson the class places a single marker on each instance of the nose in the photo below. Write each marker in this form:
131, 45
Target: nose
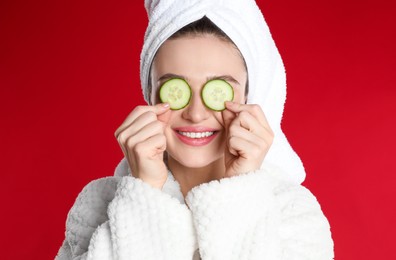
196, 111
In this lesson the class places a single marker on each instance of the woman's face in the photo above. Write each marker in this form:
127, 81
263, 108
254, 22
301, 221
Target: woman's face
195, 134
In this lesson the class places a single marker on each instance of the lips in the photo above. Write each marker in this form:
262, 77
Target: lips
195, 136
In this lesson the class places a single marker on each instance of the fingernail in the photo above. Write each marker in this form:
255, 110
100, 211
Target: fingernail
165, 105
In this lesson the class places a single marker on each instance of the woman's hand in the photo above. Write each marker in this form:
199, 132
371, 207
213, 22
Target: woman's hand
248, 138
142, 140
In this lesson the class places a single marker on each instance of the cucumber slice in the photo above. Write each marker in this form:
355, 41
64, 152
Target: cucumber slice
215, 93
176, 92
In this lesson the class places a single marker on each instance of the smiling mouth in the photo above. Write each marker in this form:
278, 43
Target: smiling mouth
196, 135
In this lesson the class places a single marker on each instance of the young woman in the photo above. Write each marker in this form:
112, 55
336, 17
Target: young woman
196, 182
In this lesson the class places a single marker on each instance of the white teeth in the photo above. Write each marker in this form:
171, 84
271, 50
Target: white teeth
195, 134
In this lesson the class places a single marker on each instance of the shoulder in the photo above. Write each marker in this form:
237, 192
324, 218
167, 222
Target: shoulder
302, 223
88, 212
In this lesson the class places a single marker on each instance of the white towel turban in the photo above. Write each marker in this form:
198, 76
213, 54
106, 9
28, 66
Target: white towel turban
244, 23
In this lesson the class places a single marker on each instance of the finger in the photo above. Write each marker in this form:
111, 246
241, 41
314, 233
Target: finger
139, 110
149, 130
129, 141
258, 138
164, 117
136, 126
251, 123
247, 149
239, 146
228, 117
151, 147
253, 109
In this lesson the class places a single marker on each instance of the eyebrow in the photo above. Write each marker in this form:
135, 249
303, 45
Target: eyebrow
228, 78
171, 76
168, 76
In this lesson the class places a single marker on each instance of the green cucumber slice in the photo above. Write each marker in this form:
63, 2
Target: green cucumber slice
215, 93
176, 92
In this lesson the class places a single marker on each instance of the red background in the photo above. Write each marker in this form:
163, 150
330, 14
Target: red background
69, 74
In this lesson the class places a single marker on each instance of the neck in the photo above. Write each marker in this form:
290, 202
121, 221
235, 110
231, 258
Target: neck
188, 177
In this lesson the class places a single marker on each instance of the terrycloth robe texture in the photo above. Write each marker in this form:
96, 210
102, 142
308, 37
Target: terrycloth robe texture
244, 23
264, 214
255, 216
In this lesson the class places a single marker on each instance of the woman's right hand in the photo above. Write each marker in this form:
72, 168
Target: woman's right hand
142, 140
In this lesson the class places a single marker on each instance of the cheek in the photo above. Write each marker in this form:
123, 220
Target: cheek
239, 96
174, 117
219, 118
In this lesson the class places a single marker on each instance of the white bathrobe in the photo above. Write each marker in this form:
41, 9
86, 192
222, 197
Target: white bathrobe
258, 215
264, 215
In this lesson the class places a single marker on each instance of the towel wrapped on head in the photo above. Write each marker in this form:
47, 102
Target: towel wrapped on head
244, 24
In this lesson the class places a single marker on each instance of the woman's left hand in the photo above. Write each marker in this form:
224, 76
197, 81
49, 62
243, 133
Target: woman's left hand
248, 138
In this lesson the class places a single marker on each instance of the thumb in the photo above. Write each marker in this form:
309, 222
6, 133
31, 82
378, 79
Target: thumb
160, 108
228, 116
163, 112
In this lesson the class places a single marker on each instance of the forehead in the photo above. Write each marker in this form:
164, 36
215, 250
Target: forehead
198, 56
